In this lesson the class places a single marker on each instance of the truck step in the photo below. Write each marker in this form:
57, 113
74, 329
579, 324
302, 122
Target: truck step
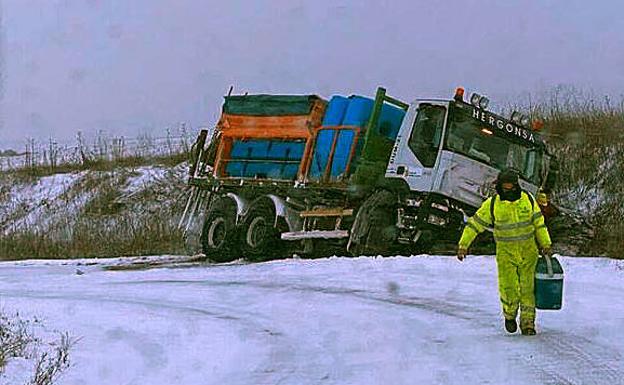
315, 234
326, 212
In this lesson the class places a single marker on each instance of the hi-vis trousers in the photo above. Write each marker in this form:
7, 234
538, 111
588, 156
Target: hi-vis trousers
516, 282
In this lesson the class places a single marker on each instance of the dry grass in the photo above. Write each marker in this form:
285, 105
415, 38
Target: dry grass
15, 338
38, 171
18, 340
587, 135
104, 153
92, 240
50, 365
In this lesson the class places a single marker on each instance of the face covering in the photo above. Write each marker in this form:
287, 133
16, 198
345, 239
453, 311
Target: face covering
509, 195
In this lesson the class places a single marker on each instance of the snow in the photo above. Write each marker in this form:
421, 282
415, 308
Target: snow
33, 200
145, 176
56, 201
400, 320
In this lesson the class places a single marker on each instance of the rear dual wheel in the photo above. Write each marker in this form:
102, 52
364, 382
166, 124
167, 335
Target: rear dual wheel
260, 237
220, 235
257, 238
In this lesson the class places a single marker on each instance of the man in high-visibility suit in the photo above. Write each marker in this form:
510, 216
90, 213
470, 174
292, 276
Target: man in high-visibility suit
519, 229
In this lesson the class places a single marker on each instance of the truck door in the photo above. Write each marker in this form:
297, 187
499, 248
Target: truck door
418, 145
426, 134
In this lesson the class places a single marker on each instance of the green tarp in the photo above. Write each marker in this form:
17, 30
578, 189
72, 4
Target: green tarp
269, 105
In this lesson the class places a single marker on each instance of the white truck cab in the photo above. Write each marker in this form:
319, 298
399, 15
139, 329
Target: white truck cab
456, 149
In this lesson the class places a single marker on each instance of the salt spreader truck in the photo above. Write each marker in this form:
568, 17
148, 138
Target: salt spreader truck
287, 174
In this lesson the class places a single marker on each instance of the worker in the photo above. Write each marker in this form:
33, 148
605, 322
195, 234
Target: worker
518, 226
548, 209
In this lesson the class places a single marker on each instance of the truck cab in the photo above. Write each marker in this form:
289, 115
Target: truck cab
447, 156
456, 149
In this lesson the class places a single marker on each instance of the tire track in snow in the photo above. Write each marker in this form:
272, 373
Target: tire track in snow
433, 305
565, 359
120, 300
588, 363
270, 375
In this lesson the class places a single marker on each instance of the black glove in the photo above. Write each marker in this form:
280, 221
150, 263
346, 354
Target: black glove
461, 253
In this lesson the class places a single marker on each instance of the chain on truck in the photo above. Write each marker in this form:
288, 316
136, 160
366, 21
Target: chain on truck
285, 174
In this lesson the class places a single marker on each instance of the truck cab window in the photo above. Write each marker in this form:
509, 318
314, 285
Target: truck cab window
427, 133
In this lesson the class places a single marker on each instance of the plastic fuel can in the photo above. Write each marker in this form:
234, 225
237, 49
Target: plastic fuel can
548, 284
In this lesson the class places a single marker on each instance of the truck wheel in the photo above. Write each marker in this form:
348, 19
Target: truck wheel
381, 237
374, 231
260, 237
219, 236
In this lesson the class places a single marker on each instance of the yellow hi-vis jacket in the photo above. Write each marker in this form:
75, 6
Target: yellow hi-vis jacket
518, 226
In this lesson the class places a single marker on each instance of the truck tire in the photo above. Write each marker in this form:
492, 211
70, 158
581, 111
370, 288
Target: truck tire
374, 230
260, 238
219, 235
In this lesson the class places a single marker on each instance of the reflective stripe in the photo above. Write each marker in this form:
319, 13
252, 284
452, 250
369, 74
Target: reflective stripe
510, 226
536, 216
546, 277
487, 228
481, 221
523, 237
472, 227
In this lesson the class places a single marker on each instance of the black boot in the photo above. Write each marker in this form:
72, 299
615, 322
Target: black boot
510, 325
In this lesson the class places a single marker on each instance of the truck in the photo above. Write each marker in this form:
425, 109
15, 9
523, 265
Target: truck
285, 174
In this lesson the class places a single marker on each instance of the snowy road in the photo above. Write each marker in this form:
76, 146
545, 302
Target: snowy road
418, 320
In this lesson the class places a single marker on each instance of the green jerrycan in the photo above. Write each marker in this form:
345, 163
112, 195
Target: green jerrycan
548, 284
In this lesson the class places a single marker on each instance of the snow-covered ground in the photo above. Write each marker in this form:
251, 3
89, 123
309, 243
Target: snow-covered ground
416, 320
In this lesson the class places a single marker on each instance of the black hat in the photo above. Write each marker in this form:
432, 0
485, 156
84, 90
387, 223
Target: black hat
508, 176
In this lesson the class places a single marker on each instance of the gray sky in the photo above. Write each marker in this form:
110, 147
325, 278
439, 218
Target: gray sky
130, 66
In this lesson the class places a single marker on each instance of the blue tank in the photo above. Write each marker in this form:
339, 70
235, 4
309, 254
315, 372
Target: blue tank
358, 111
289, 150
249, 149
265, 158
322, 152
235, 169
267, 149
322, 149
261, 170
335, 111
342, 152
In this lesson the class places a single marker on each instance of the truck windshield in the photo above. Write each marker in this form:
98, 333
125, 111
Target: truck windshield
477, 140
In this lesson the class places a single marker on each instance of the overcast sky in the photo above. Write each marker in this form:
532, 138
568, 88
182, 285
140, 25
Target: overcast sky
130, 66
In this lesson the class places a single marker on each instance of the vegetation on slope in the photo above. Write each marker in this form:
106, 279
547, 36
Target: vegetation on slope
587, 136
